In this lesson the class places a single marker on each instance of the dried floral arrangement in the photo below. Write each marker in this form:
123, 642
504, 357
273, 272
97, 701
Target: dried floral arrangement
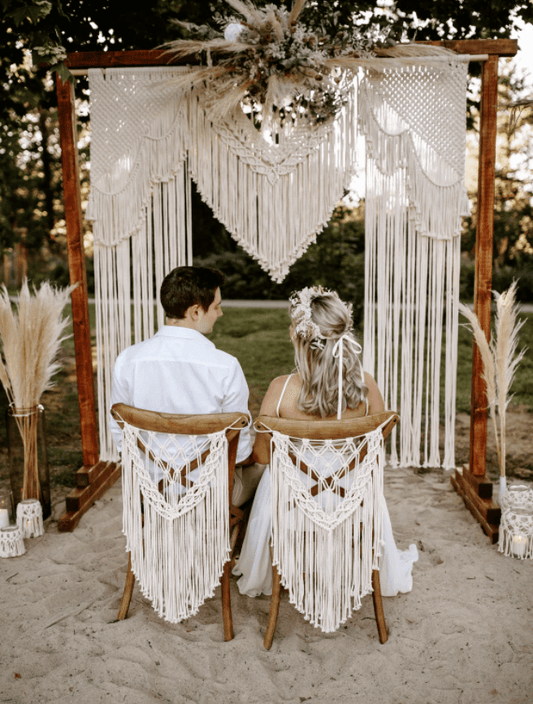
500, 361
31, 333
270, 62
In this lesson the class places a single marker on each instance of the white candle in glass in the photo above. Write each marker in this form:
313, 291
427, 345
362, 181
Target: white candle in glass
519, 545
4, 517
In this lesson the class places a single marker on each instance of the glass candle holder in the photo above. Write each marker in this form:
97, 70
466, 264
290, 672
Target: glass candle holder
519, 545
6, 508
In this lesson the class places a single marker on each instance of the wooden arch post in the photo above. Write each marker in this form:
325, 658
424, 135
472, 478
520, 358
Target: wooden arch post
471, 482
95, 477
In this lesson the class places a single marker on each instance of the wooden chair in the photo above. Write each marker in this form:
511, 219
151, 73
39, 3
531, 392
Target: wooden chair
140, 428
361, 435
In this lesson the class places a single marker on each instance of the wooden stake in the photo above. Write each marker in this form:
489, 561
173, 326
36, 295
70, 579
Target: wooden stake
483, 271
76, 263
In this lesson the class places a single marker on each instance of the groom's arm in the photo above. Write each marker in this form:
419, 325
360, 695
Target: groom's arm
236, 395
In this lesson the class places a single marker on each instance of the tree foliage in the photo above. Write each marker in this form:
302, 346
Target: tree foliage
30, 179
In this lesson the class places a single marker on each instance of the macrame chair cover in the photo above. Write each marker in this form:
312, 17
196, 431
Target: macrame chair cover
413, 118
325, 550
273, 193
178, 556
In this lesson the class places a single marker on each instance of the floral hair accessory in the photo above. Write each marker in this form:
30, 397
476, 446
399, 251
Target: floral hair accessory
304, 326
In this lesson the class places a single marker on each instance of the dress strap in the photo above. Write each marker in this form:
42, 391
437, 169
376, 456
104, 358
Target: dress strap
363, 379
282, 394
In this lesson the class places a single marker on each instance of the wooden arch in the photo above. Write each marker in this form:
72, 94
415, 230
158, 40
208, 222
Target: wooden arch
95, 477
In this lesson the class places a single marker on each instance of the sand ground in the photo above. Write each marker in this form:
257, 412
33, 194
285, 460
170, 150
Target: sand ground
464, 635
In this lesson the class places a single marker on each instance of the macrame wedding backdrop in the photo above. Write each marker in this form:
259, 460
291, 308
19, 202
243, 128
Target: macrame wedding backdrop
274, 191
410, 167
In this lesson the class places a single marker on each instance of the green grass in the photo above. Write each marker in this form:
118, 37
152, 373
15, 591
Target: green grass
259, 338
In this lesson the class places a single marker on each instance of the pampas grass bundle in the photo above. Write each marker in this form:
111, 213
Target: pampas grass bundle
500, 361
31, 333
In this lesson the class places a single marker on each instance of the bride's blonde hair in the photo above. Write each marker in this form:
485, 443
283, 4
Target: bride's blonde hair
319, 320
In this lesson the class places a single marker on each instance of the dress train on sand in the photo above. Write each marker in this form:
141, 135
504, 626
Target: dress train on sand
255, 567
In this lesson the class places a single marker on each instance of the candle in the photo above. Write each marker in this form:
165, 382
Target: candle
4, 517
519, 545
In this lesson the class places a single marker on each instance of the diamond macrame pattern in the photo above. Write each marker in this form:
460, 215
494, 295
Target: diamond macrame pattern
165, 458
270, 159
339, 491
126, 109
426, 98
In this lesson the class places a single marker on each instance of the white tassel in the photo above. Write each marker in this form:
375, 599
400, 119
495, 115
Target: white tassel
326, 547
178, 556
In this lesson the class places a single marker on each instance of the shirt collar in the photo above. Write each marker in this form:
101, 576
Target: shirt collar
184, 334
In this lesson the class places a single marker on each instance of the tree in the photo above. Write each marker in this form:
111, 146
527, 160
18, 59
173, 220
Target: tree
513, 212
29, 177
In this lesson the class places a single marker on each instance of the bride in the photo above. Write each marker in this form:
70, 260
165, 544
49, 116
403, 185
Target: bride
321, 332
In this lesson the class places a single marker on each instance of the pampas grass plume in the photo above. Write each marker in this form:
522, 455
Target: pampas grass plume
489, 372
31, 336
500, 360
506, 358
31, 333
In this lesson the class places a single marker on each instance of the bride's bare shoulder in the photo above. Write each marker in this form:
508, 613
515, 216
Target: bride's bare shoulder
270, 401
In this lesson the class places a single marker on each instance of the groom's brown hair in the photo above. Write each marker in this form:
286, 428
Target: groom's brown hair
186, 286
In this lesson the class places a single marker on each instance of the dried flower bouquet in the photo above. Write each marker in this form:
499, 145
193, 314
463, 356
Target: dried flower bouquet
30, 336
270, 62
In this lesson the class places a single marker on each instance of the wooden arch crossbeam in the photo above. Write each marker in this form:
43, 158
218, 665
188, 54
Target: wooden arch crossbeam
95, 477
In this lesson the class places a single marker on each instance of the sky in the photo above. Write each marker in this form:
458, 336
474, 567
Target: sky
524, 57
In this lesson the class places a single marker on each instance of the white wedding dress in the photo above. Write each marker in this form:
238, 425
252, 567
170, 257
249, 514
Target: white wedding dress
255, 567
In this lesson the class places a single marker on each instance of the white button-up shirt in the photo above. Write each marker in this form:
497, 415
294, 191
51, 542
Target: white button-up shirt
179, 370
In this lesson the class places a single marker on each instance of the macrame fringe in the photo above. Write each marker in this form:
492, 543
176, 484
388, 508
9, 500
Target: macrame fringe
325, 552
274, 194
128, 276
178, 556
273, 198
411, 294
414, 204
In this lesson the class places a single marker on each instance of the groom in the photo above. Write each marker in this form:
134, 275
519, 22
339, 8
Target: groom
179, 370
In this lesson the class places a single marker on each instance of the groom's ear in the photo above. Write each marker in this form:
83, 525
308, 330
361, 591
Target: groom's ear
194, 313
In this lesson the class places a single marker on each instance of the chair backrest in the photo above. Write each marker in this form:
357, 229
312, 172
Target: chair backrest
177, 476
327, 503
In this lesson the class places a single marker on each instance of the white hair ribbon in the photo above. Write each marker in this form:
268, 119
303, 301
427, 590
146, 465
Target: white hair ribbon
337, 353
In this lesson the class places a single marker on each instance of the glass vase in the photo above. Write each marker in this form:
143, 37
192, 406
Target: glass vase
29, 473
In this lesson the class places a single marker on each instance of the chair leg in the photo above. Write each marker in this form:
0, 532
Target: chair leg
233, 541
274, 608
226, 602
378, 607
128, 591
